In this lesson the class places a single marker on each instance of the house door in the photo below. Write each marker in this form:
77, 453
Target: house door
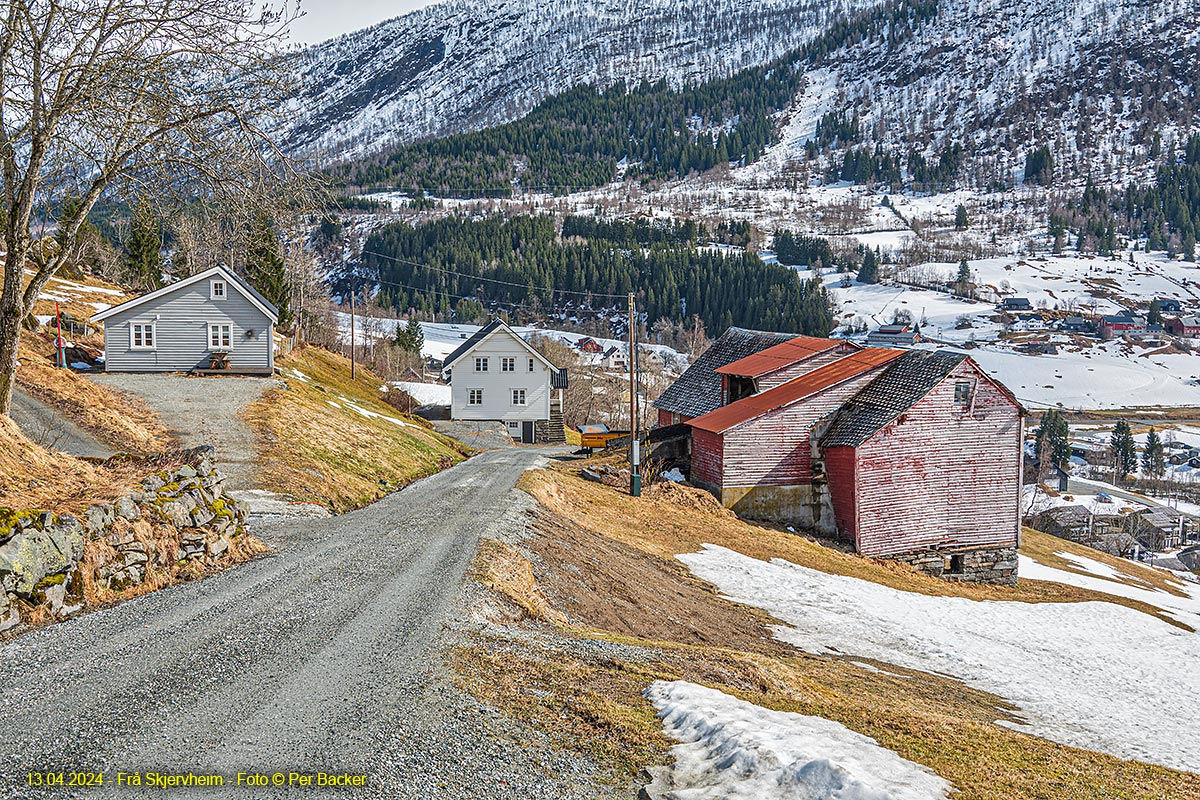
527, 432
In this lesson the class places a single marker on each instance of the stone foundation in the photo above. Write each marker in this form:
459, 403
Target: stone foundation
981, 565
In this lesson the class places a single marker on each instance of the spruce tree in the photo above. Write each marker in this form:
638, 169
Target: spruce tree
961, 223
143, 248
869, 271
265, 269
410, 337
1154, 462
1052, 438
1123, 451
1155, 316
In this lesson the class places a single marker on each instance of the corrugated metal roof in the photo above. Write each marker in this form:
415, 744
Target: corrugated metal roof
818, 380
698, 390
897, 388
781, 355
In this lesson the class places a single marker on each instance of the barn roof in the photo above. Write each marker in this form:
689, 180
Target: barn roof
853, 365
698, 390
779, 356
896, 390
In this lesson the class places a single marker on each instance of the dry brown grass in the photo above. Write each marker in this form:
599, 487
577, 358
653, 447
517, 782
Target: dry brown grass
605, 563
313, 446
1044, 549
117, 419
32, 477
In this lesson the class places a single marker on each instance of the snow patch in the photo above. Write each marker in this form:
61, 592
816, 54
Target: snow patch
1090, 675
734, 750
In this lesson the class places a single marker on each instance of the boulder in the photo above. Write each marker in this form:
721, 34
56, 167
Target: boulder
32, 555
97, 518
201, 516
10, 617
186, 471
55, 597
217, 547
153, 483
127, 509
175, 513
195, 456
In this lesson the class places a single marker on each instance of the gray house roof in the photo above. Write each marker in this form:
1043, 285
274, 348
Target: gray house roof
228, 275
558, 376
475, 339
905, 381
698, 390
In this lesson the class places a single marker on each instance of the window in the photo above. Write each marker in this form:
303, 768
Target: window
962, 393
531, 365
220, 336
508, 364
481, 364
475, 397
518, 397
141, 336
217, 290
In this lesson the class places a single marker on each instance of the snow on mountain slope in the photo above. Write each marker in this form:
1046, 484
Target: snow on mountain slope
1088, 675
465, 64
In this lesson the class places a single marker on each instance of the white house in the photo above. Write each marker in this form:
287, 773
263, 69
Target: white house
498, 376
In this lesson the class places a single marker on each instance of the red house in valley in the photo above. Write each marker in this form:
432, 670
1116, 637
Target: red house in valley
913, 455
1187, 327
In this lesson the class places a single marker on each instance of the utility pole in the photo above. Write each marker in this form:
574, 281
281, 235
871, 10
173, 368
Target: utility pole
635, 477
351, 334
60, 359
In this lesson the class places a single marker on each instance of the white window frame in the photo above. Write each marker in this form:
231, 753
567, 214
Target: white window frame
481, 363
212, 289
474, 397
144, 326
531, 365
964, 389
214, 328
508, 364
524, 397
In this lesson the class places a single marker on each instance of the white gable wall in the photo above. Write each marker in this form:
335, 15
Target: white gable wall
496, 385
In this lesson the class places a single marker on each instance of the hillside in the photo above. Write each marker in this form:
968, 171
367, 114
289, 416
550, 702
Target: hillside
616, 611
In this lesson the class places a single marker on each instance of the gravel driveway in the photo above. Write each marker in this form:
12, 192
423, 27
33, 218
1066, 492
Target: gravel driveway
203, 410
324, 656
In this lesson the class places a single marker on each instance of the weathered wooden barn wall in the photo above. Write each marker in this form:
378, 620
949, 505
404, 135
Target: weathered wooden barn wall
840, 464
942, 475
707, 455
773, 379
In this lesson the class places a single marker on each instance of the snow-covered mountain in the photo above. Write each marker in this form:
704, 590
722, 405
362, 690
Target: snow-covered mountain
466, 64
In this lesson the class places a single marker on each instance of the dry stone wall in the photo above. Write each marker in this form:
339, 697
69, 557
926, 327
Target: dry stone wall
176, 521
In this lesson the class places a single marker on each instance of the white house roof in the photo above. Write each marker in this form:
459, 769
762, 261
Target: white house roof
487, 332
231, 279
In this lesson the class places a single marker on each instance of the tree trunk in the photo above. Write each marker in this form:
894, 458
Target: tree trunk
12, 314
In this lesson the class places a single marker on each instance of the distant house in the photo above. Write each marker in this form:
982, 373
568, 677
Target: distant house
1187, 327
1161, 529
1121, 325
1076, 325
589, 345
911, 455
1016, 304
1028, 322
698, 390
498, 376
898, 335
1168, 305
614, 358
213, 320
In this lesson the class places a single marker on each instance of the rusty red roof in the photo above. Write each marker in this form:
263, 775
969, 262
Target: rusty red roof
818, 380
781, 355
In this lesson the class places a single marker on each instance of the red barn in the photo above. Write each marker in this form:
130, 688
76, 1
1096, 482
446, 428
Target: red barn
1187, 327
756, 453
701, 388
912, 455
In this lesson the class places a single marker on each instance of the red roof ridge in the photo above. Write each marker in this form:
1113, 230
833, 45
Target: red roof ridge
779, 356
818, 380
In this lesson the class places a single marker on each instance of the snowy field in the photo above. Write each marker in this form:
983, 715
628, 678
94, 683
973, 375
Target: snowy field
1090, 675
733, 750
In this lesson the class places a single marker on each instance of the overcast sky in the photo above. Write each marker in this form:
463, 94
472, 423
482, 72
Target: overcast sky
324, 19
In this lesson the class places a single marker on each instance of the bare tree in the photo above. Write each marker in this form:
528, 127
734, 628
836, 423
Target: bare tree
164, 98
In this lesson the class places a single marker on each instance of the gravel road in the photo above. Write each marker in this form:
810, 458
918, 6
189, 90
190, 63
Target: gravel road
202, 411
325, 656
48, 427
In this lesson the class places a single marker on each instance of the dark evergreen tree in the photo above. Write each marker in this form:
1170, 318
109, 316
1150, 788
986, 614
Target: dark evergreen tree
1053, 438
1154, 461
143, 248
961, 223
1123, 450
869, 271
410, 337
1155, 316
265, 269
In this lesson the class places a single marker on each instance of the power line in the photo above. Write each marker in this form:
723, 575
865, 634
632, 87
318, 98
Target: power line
489, 280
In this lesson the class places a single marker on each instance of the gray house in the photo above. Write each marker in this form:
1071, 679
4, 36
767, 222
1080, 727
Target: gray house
210, 321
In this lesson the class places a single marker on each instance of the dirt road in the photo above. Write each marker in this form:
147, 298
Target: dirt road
325, 656
50, 428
